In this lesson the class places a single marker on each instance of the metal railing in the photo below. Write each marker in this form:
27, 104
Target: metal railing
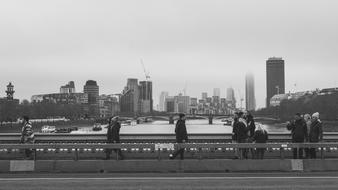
146, 138
159, 148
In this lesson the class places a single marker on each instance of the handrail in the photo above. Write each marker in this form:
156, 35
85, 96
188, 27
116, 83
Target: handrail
152, 145
161, 138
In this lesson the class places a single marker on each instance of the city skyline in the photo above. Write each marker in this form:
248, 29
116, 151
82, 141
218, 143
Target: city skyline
192, 45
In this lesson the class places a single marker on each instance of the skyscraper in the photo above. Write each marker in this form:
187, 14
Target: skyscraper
275, 78
130, 97
92, 89
250, 101
204, 95
146, 96
163, 96
217, 92
231, 98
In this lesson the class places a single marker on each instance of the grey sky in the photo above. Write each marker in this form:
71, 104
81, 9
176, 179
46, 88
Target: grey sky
204, 44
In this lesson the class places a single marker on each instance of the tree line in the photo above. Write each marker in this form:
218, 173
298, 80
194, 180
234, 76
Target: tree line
326, 105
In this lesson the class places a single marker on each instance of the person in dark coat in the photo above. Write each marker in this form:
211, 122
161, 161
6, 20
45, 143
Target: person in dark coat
113, 136
27, 135
234, 134
299, 134
251, 130
181, 136
316, 133
241, 131
260, 136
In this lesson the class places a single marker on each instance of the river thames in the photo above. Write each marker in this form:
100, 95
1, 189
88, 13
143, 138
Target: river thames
193, 127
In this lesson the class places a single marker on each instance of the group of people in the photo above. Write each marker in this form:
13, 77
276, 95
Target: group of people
244, 130
305, 128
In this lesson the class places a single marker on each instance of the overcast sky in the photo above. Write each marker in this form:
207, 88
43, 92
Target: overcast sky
198, 44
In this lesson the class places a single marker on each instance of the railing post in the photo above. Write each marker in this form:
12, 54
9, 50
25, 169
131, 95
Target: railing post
76, 154
282, 153
321, 153
159, 153
34, 155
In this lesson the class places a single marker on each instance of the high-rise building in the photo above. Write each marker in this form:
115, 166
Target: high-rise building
169, 104
92, 89
204, 95
275, 78
163, 96
130, 97
231, 98
250, 101
68, 88
146, 96
137, 98
217, 92
182, 103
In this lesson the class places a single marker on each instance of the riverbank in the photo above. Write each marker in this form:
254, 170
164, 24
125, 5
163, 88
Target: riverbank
16, 128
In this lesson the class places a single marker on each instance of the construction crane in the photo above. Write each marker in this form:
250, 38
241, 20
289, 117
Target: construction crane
147, 75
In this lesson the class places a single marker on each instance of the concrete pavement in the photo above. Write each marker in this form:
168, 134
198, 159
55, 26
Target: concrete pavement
293, 180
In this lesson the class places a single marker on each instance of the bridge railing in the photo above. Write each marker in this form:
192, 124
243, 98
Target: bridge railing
7, 138
158, 149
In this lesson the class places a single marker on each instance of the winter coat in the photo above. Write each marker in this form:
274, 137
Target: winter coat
113, 132
27, 133
251, 126
241, 131
298, 130
260, 136
316, 131
181, 131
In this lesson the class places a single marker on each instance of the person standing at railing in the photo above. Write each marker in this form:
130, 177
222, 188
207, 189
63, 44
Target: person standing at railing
260, 136
234, 134
113, 136
307, 119
316, 133
299, 134
241, 131
181, 136
27, 135
251, 130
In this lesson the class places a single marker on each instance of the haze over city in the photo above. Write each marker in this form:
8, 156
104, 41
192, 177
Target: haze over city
198, 44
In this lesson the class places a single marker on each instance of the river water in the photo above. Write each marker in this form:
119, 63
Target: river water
162, 127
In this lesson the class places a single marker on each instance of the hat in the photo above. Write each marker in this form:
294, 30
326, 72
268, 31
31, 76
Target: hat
315, 115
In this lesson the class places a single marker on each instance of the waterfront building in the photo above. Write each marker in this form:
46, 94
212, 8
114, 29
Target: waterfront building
68, 88
92, 89
275, 78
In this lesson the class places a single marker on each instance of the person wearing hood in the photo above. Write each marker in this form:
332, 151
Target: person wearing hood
27, 135
260, 136
181, 136
299, 134
316, 133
